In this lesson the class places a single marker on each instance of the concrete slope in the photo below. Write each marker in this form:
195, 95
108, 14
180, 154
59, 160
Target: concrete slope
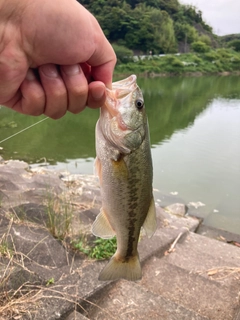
128, 301
198, 279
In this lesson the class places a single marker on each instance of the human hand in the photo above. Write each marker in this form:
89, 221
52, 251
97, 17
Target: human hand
54, 57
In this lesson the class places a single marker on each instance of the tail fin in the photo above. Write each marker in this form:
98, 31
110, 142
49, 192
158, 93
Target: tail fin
117, 269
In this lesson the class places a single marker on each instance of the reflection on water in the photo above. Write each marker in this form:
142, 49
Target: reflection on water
195, 134
202, 164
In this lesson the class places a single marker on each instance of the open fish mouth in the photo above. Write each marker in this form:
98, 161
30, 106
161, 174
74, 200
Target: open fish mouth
120, 95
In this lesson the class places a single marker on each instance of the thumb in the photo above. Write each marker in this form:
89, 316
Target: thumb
103, 59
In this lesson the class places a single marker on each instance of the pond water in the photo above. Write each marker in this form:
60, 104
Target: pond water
195, 135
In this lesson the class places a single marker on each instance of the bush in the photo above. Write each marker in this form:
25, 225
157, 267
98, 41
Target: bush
123, 54
199, 46
205, 39
235, 44
196, 59
177, 63
212, 56
225, 53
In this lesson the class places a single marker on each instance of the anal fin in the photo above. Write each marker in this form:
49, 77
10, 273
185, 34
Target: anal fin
150, 223
101, 226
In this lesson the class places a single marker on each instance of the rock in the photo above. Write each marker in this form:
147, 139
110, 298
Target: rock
32, 212
14, 276
76, 316
16, 164
82, 222
3, 196
19, 184
179, 209
37, 245
4, 222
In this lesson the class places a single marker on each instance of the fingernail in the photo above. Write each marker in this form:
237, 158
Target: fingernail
71, 70
30, 75
50, 70
98, 93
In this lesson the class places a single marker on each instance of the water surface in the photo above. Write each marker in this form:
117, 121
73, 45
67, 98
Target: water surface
195, 136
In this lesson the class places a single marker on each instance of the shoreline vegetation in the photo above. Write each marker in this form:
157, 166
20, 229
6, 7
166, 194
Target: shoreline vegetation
164, 38
221, 61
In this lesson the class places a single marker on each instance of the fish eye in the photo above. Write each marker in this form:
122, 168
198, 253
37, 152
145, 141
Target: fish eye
139, 104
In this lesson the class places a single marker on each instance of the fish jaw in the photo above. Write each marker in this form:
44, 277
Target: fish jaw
121, 90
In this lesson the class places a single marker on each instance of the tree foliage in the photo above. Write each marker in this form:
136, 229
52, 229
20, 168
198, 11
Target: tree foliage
235, 44
143, 26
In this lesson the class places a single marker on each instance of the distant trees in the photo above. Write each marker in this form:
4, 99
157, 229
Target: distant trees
235, 44
150, 29
153, 25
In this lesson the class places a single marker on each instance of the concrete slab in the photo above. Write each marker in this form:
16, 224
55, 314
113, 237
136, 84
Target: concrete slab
218, 234
128, 301
199, 254
169, 228
192, 291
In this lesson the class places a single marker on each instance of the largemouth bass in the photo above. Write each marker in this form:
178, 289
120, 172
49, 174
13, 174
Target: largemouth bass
124, 167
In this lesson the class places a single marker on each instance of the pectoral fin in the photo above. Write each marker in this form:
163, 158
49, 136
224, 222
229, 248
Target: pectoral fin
150, 223
120, 169
101, 226
97, 167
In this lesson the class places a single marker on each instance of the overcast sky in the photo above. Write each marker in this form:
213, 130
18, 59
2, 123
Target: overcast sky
222, 15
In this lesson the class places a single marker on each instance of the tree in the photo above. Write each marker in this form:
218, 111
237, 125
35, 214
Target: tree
185, 32
164, 34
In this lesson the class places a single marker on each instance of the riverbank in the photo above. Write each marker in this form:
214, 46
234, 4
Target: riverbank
42, 212
219, 61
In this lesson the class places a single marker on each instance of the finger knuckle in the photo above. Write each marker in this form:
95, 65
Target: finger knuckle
80, 91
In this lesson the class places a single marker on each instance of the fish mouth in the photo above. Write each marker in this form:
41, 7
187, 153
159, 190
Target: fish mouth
127, 84
119, 95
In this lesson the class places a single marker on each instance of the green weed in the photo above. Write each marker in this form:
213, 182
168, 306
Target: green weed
4, 249
50, 281
101, 249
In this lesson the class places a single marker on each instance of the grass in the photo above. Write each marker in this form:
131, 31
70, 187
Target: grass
59, 213
28, 297
101, 248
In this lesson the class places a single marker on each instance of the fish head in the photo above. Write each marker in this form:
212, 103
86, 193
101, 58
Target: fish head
123, 118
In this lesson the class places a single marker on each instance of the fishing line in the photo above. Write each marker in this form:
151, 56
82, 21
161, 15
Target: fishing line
15, 134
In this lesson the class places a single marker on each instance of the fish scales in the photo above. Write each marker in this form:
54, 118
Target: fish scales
124, 167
